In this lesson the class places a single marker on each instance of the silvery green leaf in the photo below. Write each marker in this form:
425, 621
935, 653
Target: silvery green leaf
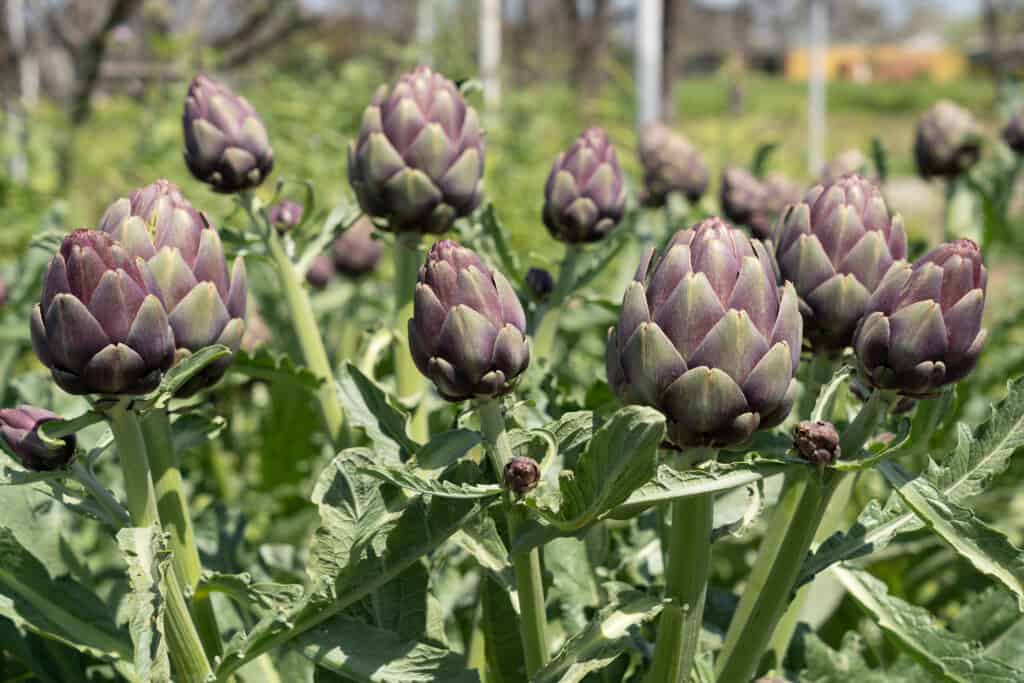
445, 448
256, 597
503, 645
148, 556
369, 407
409, 478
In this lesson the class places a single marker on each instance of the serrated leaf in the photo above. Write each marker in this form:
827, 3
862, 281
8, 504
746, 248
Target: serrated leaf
274, 368
992, 618
445, 448
406, 478
255, 596
573, 584
148, 556
503, 644
378, 414
480, 538
846, 665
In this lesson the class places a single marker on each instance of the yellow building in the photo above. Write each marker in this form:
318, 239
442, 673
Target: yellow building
895, 62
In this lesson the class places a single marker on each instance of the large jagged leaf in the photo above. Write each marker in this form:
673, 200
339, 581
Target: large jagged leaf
573, 582
992, 618
408, 478
378, 414
503, 644
445, 448
481, 540
274, 368
847, 664
256, 597
148, 556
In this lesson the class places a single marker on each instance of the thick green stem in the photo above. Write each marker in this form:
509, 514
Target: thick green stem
410, 383
176, 519
529, 584
686, 581
548, 316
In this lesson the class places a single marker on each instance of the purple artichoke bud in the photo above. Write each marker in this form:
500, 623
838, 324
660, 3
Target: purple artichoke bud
835, 247
19, 430
521, 475
320, 272
817, 442
356, 253
226, 144
100, 326
708, 338
948, 141
418, 162
850, 161
1013, 133
585, 195
922, 326
468, 329
670, 164
540, 283
285, 216
205, 304
743, 198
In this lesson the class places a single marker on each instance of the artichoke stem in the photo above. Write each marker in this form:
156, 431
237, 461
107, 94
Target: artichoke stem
548, 316
410, 383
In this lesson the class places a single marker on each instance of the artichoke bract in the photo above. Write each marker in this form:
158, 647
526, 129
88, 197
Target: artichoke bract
356, 253
19, 430
1013, 132
285, 216
100, 326
585, 195
948, 141
835, 247
670, 164
707, 338
204, 303
418, 162
468, 329
922, 326
226, 144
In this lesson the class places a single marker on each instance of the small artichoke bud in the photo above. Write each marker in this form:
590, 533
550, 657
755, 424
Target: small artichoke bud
356, 253
521, 476
817, 442
743, 196
585, 195
418, 162
468, 329
226, 144
320, 272
540, 283
922, 326
285, 216
100, 326
670, 164
19, 430
848, 162
707, 337
948, 141
1013, 132
835, 247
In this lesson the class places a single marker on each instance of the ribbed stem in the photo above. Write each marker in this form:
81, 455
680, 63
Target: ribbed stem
410, 382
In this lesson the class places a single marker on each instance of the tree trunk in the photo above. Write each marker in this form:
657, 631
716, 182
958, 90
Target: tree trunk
671, 53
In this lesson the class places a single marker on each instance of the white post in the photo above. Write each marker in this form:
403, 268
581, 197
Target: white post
28, 86
425, 29
647, 34
816, 86
490, 52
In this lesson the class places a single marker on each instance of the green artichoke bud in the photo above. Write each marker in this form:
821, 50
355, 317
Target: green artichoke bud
285, 216
1013, 132
468, 330
922, 326
320, 272
19, 431
418, 162
100, 326
708, 338
848, 162
521, 475
948, 141
835, 247
540, 283
585, 195
205, 305
356, 253
817, 442
670, 164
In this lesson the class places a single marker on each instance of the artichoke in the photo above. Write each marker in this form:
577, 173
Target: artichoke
285, 216
418, 162
585, 195
468, 330
100, 326
922, 326
320, 272
522, 475
948, 141
205, 305
817, 442
19, 431
356, 253
835, 247
847, 162
743, 196
226, 144
540, 283
1013, 132
670, 164
780, 192
707, 338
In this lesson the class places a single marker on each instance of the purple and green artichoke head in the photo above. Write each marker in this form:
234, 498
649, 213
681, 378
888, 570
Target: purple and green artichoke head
948, 141
707, 337
848, 162
356, 253
100, 326
205, 303
19, 431
418, 162
468, 329
585, 194
670, 164
285, 216
226, 144
835, 247
922, 326
1013, 132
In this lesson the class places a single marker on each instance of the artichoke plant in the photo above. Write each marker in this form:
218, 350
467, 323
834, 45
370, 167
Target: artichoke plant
922, 326
205, 304
1013, 132
356, 253
835, 247
708, 338
418, 161
585, 194
670, 164
19, 431
468, 329
100, 326
285, 216
226, 144
522, 475
948, 141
